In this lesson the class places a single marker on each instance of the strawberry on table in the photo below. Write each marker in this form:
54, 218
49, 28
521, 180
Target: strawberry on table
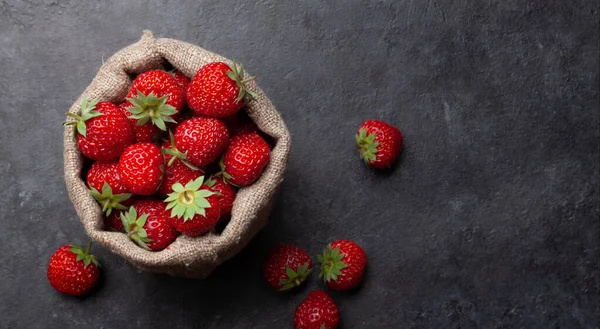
379, 143
343, 264
202, 140
245, 159
218, 90
141, 168
73, 271
103, 130
226, 193
286, 267
147, 224
317, 311
106, 187
194, 207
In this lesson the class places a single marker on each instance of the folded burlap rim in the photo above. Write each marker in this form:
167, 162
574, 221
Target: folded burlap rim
187, 257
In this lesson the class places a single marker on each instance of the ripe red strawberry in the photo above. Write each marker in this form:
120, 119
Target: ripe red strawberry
177, 169
73, 271
379, 143
183, 80
240, 123
106, 187
113, 222
218, 90
103, 130
226, 193
147, 224
141, 168
286, 267
343, 264
202, 140
144, 133
194, 208
156, 96
245, 159
317, 311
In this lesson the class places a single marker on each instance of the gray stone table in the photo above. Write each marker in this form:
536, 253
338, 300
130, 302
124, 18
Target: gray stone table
489, 220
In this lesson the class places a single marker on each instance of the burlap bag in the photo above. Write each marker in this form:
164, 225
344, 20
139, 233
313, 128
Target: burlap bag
187, 257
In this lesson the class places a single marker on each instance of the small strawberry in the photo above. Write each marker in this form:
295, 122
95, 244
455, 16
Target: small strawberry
103, 130
317, 311
343, 264
144, 133
113, 222
379, 143
218, 90
239, 124
73, 271
151, 230
245, 159
286, 267
155, 96
183, 80
178, 169
141, 168
202, 140
226, 193
104, 177
194, 208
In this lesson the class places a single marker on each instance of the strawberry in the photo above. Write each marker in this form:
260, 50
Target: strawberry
178, 170
105, 177
155, 96
183, 80
202, 140
103, 130
286, 267
141, 168
317, 311
151, 230
194, 208
240, 123
218, 90
226, 194
73, 271
144, 133
343, 264
245, 159
379, 143
113, 222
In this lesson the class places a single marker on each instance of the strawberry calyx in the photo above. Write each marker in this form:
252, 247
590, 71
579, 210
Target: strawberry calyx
294, 278
237, 75
108, 200
367, 145
224, 174
176, 154
134, 226
84, 256
87, 112
331, 263
151, 108
189, 200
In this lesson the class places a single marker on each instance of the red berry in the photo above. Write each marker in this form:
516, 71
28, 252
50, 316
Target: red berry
226, 193
245, 159
217, 90
143, 133
343, 264
379, 143
194, 208
176, 171
147, 224
286, 267
183, 80
106, 186
239, 124
113, 222
104, 131
202, 140
317, 311
141, 168
73, 271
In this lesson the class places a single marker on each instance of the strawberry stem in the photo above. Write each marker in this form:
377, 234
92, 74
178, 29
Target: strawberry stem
89, 247
248, 80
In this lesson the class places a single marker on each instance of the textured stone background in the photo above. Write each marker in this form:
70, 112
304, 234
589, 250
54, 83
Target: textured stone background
490, 220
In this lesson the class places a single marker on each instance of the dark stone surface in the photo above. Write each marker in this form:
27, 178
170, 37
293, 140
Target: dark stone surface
490, 219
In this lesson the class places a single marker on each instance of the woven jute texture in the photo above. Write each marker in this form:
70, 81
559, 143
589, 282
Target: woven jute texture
186, 257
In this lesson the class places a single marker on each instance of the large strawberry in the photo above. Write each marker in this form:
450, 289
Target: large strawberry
141, 168
218, 90
106, 187
73, 271
143, 133
245, 159
286, 267
194, 208
317, 311
147, 224
226, 193
379, 143
178, 170
155, 96
343, 264
202, 140
103, 130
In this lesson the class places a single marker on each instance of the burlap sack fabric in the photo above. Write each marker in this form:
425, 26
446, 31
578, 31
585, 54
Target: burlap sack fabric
188, 257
